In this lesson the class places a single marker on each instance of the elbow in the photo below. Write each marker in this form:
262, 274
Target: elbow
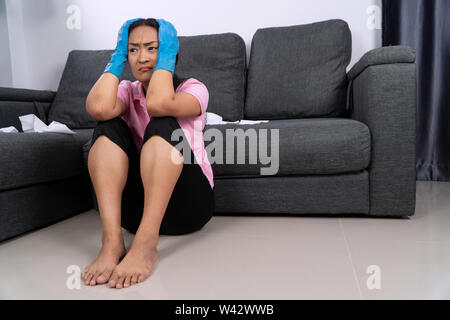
92, 107
156, 109
97, 115
94, 111
150, 108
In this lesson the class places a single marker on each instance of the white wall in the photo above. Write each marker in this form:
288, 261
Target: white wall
5, 58
41, 33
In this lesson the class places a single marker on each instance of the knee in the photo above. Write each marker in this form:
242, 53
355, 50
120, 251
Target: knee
162, 126
113, 121
115, 130
161, 121
109, 125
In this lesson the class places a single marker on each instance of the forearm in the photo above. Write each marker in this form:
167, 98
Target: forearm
103, 94
160, 89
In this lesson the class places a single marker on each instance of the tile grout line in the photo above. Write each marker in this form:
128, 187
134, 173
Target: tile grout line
350, 258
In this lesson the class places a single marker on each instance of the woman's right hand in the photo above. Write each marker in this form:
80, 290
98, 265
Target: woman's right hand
119, 57
122, 37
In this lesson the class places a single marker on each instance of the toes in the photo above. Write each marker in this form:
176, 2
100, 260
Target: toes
113, 279
85, 273
141, 278
105, 276
134, 278
126, 283
88, 278
120, 281
93, 281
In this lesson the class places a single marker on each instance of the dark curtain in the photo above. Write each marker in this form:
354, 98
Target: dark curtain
425, 26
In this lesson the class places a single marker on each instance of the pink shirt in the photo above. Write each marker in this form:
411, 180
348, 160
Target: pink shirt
137, 118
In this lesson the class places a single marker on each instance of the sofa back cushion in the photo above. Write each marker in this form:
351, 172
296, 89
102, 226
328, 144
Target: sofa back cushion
216, 60
219, 61
298, 71
82, 70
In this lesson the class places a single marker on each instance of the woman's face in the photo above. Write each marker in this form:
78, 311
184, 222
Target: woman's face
143, 52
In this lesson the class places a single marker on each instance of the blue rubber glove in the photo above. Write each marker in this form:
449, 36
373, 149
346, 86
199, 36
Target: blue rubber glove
119, 56
168, 46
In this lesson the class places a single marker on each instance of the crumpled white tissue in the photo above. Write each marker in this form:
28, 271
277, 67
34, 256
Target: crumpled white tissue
212, 118
31, 123
9, 129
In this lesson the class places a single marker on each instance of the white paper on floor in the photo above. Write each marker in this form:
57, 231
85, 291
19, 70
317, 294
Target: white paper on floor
212, 118
31, 123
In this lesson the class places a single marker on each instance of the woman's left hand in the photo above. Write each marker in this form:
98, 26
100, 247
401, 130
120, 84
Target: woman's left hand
168, 46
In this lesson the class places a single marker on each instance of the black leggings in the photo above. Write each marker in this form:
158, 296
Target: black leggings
192, 202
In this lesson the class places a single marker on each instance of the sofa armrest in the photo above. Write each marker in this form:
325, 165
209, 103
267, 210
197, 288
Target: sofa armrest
383, 95
383, 55
16, 94
17, 102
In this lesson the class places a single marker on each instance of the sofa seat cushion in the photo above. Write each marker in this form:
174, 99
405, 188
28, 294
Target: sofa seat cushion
306, 146
33, 158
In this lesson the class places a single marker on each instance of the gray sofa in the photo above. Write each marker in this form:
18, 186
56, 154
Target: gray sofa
346, 139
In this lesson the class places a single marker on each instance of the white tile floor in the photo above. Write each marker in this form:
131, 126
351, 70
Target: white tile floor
248, 257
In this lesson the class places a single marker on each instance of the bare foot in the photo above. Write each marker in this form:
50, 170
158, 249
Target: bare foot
135, 267
100, 270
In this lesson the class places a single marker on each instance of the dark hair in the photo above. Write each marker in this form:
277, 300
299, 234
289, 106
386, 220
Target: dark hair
151, 22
